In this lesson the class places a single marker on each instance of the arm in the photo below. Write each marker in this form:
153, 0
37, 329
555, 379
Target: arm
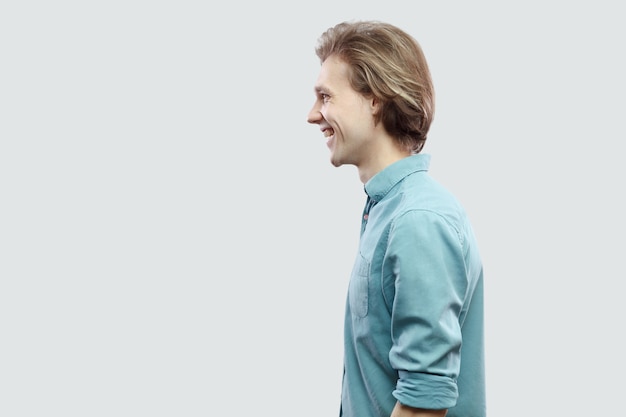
425, 257
404, 411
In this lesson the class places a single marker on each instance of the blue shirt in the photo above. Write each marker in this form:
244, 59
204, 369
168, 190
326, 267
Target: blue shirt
414, 311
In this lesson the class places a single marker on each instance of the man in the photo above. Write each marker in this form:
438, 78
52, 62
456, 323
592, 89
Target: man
414, 310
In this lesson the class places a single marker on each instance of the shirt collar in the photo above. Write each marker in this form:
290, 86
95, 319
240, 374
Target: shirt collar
379, 185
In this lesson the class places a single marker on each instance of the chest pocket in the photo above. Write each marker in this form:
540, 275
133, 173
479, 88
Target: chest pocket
358, 290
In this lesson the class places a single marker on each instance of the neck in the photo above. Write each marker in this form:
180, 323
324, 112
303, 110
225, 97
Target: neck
381, 159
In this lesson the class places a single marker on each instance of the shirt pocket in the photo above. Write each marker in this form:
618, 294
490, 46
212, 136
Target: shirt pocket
358, 290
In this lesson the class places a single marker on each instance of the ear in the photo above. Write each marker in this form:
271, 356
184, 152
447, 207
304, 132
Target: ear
375, 106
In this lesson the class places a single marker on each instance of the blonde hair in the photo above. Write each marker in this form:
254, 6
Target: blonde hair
388, 64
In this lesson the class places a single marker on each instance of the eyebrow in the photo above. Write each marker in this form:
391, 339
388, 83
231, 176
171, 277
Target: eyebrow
321, 89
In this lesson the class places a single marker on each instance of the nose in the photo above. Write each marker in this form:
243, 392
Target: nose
315, 116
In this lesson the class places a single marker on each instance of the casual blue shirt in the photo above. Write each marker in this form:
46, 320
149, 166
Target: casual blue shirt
414, 310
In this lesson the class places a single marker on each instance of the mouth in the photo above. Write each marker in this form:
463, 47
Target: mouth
329, 134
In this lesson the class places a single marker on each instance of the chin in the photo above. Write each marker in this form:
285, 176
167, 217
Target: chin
335, 161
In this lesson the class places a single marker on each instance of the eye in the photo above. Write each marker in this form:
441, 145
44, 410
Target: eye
322, 95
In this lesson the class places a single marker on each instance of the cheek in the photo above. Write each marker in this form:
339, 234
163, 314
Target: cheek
326, 111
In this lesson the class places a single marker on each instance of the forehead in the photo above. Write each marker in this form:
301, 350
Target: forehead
333, 75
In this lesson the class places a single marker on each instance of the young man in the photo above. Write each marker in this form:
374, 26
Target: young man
414, 310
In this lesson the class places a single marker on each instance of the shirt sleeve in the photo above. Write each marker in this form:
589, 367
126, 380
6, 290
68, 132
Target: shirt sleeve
425, 256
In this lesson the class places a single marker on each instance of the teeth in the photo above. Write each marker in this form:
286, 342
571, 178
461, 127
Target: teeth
328, 133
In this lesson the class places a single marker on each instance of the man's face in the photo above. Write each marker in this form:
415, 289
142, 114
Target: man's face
345, 117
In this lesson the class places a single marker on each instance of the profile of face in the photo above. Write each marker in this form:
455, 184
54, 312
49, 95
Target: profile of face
345, 117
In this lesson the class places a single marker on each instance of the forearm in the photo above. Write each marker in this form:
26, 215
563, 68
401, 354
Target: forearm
404, 411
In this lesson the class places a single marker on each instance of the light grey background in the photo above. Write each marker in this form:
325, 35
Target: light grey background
174, 241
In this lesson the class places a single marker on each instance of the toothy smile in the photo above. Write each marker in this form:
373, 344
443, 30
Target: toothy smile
328, 132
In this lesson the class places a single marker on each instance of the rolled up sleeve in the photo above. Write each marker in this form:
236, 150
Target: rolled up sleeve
425, 257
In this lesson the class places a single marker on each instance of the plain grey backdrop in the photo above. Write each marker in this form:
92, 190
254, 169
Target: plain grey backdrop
175, 242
